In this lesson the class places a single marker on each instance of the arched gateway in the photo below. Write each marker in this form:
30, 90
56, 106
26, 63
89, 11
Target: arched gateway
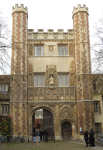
43, 119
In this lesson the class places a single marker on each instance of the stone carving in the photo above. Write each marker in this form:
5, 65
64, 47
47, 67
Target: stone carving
61, 93
65, 36
67, 94
36, 92
51, 80
50, 48
51, 76
45, 36
66, 113
35, 36
55, 36
51, 94
72, 95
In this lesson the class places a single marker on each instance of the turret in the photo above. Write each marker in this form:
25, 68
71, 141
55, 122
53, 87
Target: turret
18, 96
83, 68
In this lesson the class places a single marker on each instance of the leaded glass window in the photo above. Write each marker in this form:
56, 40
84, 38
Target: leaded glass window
39, 80
38, 50
63, 80
62, 50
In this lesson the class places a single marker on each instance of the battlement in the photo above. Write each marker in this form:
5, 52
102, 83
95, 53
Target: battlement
59, 31
19, 8
80, 8
50, 34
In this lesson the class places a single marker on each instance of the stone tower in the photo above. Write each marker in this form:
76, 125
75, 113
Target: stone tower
18, 96
83, 68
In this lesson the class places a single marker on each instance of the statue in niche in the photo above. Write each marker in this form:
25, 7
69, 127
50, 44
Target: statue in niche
51, 80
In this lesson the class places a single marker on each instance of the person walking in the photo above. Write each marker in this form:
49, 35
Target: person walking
37, 135
86, 137
92, 138
46, 135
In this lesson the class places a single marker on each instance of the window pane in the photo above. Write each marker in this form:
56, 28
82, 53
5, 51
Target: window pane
67, 80
62, 50
41, 50
66, 50
5, 110
42, 80
2, 109
39, 80
38, 50
59, 50
59, 80
35, 51
4, 87
63, 80
35, 80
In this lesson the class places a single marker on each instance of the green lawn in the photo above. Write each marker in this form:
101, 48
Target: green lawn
59, 145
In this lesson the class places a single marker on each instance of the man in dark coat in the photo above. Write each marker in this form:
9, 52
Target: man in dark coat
92, 137
46, 135
86, 137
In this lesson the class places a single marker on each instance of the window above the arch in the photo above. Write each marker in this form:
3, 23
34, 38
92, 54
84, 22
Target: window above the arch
63, 79
38, 50
62, 50
39, 80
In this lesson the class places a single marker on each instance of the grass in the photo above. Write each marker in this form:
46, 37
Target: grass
58, 145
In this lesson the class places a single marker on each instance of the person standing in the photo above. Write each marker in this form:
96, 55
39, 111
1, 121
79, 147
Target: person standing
92, 138
46, 135
37, 135
86, 137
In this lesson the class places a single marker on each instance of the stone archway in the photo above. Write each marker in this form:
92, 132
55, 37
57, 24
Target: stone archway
66, 118
46, 108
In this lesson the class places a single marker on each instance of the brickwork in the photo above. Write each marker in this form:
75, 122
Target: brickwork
83, 68
18, 96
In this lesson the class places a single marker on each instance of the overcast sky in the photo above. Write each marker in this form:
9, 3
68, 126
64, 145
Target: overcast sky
52, 14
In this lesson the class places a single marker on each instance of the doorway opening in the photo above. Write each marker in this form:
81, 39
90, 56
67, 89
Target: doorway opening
66, 131
42, 119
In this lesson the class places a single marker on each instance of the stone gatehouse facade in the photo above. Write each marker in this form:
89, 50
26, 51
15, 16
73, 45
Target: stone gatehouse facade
52, 71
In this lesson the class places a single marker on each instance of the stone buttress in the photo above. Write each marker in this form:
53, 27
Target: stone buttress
18, 96
83, 68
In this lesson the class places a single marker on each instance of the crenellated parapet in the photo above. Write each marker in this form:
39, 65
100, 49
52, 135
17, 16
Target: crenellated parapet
19, 8
80, 9
50, 34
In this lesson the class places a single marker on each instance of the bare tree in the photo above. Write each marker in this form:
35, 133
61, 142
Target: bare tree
97, 48
5, 46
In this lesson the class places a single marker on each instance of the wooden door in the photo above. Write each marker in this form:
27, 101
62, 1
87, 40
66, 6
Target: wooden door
48, 123
66, 131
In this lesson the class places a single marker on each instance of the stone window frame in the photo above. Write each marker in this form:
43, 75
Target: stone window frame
96, 106
39, 45
61, 46
39, 83
5, 109
63, 74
